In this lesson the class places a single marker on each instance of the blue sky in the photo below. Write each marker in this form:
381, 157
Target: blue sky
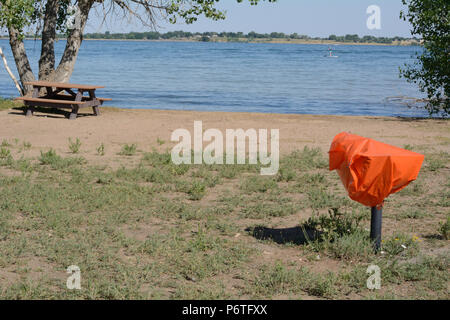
311, 17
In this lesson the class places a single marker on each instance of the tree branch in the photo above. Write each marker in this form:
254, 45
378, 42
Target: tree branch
18, 86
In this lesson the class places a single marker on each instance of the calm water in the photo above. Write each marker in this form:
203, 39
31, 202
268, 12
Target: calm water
239, 77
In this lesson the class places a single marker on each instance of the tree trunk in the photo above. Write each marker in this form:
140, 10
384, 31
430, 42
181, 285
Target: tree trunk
47, 60
21, 59
74, 39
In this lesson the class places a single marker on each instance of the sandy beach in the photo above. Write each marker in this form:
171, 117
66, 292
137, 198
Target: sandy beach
116, 127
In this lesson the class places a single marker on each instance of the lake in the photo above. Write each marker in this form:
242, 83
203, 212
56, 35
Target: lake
274, 78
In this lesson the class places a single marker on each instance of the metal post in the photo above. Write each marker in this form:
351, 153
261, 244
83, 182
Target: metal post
375, 227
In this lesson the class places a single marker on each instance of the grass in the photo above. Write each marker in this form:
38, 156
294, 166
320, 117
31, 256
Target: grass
74, 146
160, 141
26, 145
444, 228
4, 153
154, 230
101, 149
437, 161
400, 244
6, 104
50, 158
128, 150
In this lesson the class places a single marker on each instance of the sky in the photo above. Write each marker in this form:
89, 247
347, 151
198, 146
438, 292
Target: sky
316, 18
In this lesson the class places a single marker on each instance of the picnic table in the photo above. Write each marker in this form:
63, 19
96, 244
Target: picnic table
63, 95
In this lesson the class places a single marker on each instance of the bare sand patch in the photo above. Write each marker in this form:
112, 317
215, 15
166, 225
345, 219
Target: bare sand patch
116, 127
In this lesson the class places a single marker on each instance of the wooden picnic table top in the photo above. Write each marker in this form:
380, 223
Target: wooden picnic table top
62, 85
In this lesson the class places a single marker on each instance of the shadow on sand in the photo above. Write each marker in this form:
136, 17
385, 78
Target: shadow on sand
56, 113
411, 119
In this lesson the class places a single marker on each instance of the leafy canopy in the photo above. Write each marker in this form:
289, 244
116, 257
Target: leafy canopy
431, 72
24, 13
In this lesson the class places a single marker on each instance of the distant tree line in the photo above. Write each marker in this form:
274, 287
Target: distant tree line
236, 36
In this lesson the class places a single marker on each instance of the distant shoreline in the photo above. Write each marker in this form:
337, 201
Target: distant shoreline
244, 40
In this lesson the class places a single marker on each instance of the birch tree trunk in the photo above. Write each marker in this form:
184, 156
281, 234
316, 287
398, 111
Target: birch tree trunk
21, 59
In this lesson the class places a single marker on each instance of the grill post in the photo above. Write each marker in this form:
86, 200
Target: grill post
375, 227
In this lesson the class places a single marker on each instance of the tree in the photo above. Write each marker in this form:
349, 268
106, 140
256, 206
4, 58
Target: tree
431, 72
332, 37
48, 17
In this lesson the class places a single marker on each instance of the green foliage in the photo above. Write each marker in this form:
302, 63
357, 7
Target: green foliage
278, 279
431, 72
197, 190
74, 147
319, 198
408, 147
436, 161
6, 104
356, 246
26, 145
160, 141
335, 224
239, 37
18, 13
4, 153
101, 149
24, 13
57, 162
128, 150
21, 14
400, 244
286, 174
258, 184
49, 157
146, 239
5, 143
308, 158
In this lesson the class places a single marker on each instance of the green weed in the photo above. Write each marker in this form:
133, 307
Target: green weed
74, 146
128, 150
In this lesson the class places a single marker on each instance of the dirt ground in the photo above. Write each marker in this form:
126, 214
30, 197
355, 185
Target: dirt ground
116, 127
150, 231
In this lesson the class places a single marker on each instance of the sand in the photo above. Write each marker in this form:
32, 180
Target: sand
116, 127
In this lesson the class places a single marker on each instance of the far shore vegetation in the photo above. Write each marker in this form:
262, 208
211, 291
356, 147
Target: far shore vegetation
251, 37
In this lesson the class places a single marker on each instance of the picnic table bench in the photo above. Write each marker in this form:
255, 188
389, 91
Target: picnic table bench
55, 97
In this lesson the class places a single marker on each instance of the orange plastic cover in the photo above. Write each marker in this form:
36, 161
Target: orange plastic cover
371, 170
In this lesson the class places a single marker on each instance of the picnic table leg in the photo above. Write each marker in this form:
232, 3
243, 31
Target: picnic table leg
30, 109
96, 109
75, 107
74, 113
